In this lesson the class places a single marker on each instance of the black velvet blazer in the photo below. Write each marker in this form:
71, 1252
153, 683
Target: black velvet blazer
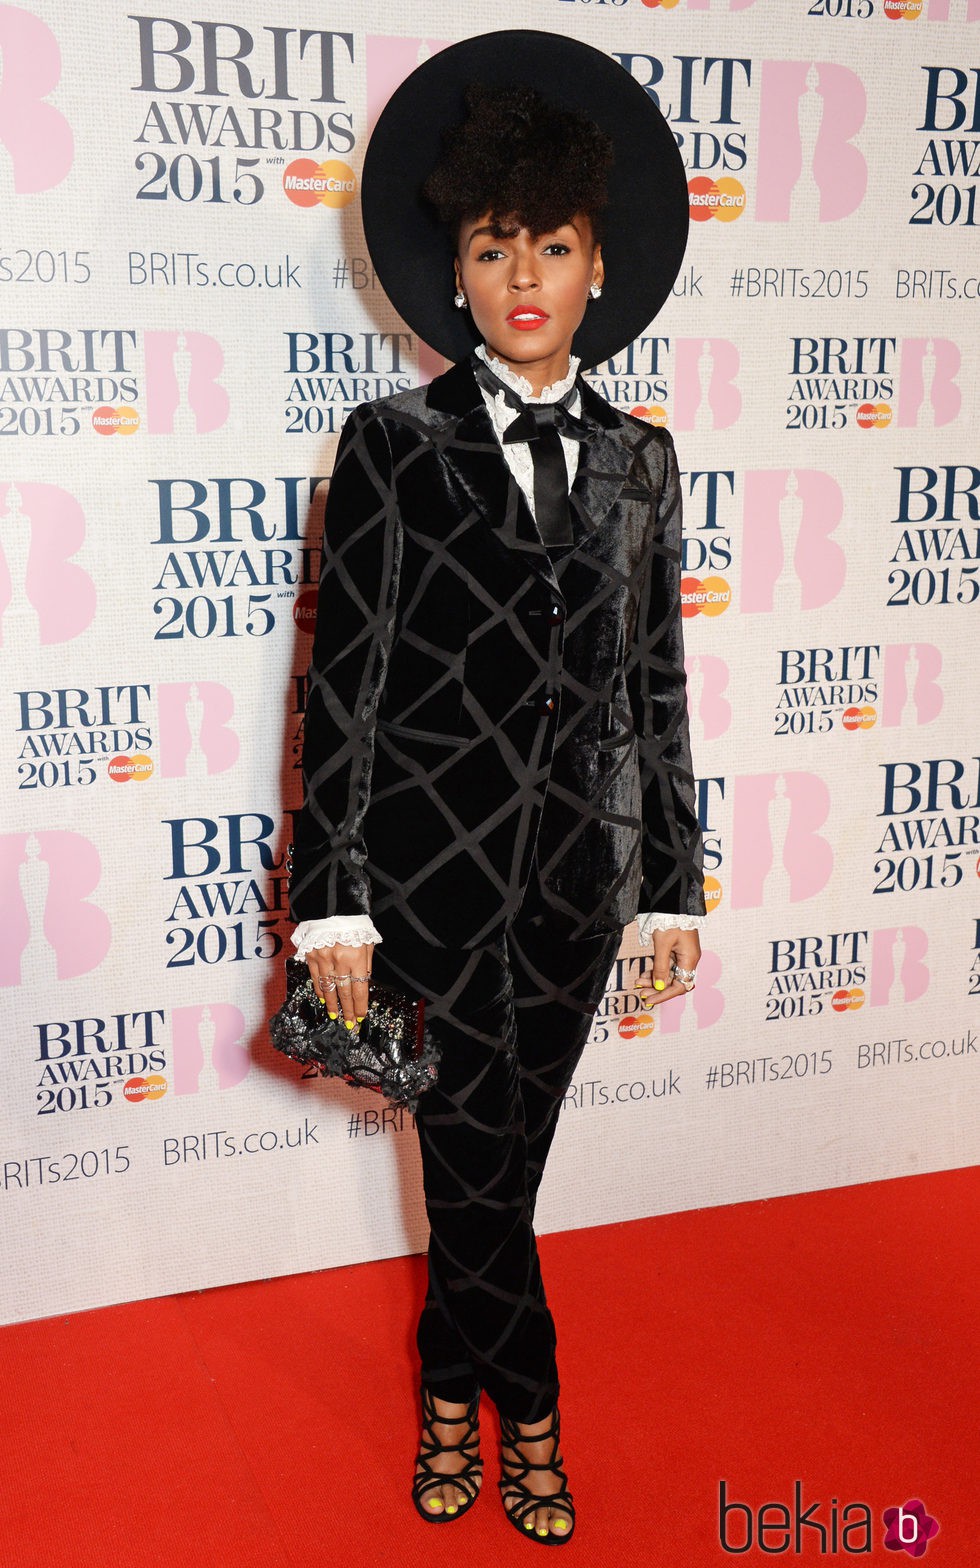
477, 705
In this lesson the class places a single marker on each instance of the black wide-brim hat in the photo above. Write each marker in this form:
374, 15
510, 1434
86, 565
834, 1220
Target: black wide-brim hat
644, 225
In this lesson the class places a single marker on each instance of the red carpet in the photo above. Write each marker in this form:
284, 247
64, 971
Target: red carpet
829, 1339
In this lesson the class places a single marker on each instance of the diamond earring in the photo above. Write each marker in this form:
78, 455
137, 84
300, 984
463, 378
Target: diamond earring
596, 290
459, 300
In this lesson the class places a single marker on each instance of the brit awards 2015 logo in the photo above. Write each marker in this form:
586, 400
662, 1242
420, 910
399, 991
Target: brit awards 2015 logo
697, 377
936, 558
850, 687
236, 564
53, 930
706, 99
232, 891
137, 1057
840, 972
791, 560
809, 164
780, 855
68, 736
58, 382
932, 832
226, 102
45, 595
330, 373
945, 191
33, 131
87, 1063
864, 382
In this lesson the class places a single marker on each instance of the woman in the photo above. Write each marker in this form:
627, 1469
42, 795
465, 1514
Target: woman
496, 753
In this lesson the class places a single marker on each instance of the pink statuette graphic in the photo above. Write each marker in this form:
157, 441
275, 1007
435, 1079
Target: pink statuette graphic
928, 396
36, 136
196, 738
706, 396
953, 11
911, 691
909, 1528
389, 62
779, 856
45, 596
809, 116
51, 930
790, 559
898, 967
208, 1048
702, 1007
707, 683
183, 393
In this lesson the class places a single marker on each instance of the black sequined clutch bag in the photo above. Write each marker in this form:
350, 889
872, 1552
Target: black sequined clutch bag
391, 1051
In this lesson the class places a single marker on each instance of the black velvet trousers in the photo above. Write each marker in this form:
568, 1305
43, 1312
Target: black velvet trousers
513, 1018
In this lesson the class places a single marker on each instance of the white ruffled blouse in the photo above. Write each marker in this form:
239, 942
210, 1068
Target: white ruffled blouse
353, 930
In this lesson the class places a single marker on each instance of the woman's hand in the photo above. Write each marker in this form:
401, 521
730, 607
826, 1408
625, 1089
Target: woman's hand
670, 948
340, 976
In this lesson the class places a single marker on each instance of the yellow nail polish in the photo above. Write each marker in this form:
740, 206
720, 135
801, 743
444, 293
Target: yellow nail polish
334, 1016
660, 985
542, 1530
561, 1524
435, 1503
529, 1524
348, 1023
361, 1017
450, 1508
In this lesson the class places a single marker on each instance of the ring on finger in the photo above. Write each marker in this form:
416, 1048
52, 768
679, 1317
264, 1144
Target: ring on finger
360, 979
682, 974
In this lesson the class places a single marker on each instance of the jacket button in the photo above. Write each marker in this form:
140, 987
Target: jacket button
557, 614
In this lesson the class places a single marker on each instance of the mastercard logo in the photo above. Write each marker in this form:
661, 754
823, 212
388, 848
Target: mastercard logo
635, 1027
712, 894
136, 1090
304, 611
122, 769
874, 416
656, 414
847, 1001
665, 5
704, 596
903, 10
108, 421
723, 199
859, 718
309, 184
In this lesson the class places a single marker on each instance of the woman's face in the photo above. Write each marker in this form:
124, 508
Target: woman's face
528, 293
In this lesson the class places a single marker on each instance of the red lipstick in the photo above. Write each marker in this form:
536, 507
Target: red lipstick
526, 318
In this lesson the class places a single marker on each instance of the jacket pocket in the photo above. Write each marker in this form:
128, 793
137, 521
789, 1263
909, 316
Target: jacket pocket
410, 732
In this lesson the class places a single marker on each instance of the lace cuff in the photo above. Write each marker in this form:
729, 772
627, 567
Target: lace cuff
648, 923
352, 930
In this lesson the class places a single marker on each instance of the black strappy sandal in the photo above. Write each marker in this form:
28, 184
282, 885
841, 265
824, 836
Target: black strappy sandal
514, 1480
467, 1478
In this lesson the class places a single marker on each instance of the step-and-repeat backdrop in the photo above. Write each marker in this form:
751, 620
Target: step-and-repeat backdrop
188, 314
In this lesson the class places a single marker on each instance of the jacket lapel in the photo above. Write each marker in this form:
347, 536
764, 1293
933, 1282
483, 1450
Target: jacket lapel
472, 451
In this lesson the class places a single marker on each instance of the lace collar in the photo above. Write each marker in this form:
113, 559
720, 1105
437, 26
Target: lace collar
522, 386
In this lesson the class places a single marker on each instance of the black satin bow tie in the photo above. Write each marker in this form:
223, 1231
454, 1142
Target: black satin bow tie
541, 426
